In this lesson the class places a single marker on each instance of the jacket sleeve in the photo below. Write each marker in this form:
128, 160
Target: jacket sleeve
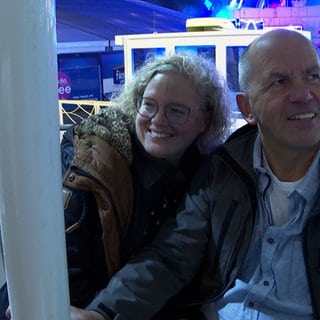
161, 269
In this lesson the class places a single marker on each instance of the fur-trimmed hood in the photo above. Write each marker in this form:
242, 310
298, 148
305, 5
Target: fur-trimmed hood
112, 125
101, 167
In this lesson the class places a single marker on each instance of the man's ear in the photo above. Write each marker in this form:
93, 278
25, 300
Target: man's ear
245, 108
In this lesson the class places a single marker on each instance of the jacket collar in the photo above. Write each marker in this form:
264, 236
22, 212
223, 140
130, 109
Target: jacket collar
149, 169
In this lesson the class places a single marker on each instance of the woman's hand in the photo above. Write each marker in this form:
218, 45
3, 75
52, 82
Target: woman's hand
76, 314
81, 314
8, 313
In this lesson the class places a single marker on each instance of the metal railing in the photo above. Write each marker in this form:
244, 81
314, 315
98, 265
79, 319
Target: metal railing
74, 111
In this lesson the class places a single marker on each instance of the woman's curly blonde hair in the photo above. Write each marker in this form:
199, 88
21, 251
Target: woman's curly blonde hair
207, 81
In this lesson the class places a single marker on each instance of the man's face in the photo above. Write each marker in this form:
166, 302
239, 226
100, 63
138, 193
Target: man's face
285, 95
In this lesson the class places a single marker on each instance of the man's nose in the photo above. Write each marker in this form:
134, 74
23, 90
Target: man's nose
300, 93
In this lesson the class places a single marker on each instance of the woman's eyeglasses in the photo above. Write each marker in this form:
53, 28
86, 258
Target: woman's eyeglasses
175, 113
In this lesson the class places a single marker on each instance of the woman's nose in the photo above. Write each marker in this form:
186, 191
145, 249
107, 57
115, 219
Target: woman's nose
160, 116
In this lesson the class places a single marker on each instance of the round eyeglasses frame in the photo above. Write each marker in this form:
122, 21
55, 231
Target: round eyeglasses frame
181, 115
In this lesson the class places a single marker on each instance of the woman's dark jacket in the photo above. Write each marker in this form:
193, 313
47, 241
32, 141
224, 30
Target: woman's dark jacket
211, 231
115, 198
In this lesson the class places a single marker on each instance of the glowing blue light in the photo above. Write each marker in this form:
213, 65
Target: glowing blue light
208, 4
225, 13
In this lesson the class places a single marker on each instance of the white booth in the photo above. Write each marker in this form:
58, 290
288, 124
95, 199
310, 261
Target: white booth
224, 47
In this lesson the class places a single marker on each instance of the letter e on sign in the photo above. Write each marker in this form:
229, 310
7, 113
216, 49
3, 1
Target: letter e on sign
64, 85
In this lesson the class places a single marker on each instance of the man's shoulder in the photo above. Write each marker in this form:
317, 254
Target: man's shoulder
235, 156
243, 133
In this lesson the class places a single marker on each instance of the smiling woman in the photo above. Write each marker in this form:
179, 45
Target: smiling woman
131, 164
169, 116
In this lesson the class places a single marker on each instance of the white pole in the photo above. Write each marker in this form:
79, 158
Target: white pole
31, 212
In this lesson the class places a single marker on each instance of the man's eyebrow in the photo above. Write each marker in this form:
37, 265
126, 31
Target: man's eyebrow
314, 68
277, 75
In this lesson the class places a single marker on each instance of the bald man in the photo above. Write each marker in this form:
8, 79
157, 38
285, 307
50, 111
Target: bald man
245, 243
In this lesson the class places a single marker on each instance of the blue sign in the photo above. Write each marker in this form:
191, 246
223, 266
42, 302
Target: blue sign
82, 83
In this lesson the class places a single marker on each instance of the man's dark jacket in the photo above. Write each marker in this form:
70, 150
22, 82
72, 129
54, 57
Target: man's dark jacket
212, 232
